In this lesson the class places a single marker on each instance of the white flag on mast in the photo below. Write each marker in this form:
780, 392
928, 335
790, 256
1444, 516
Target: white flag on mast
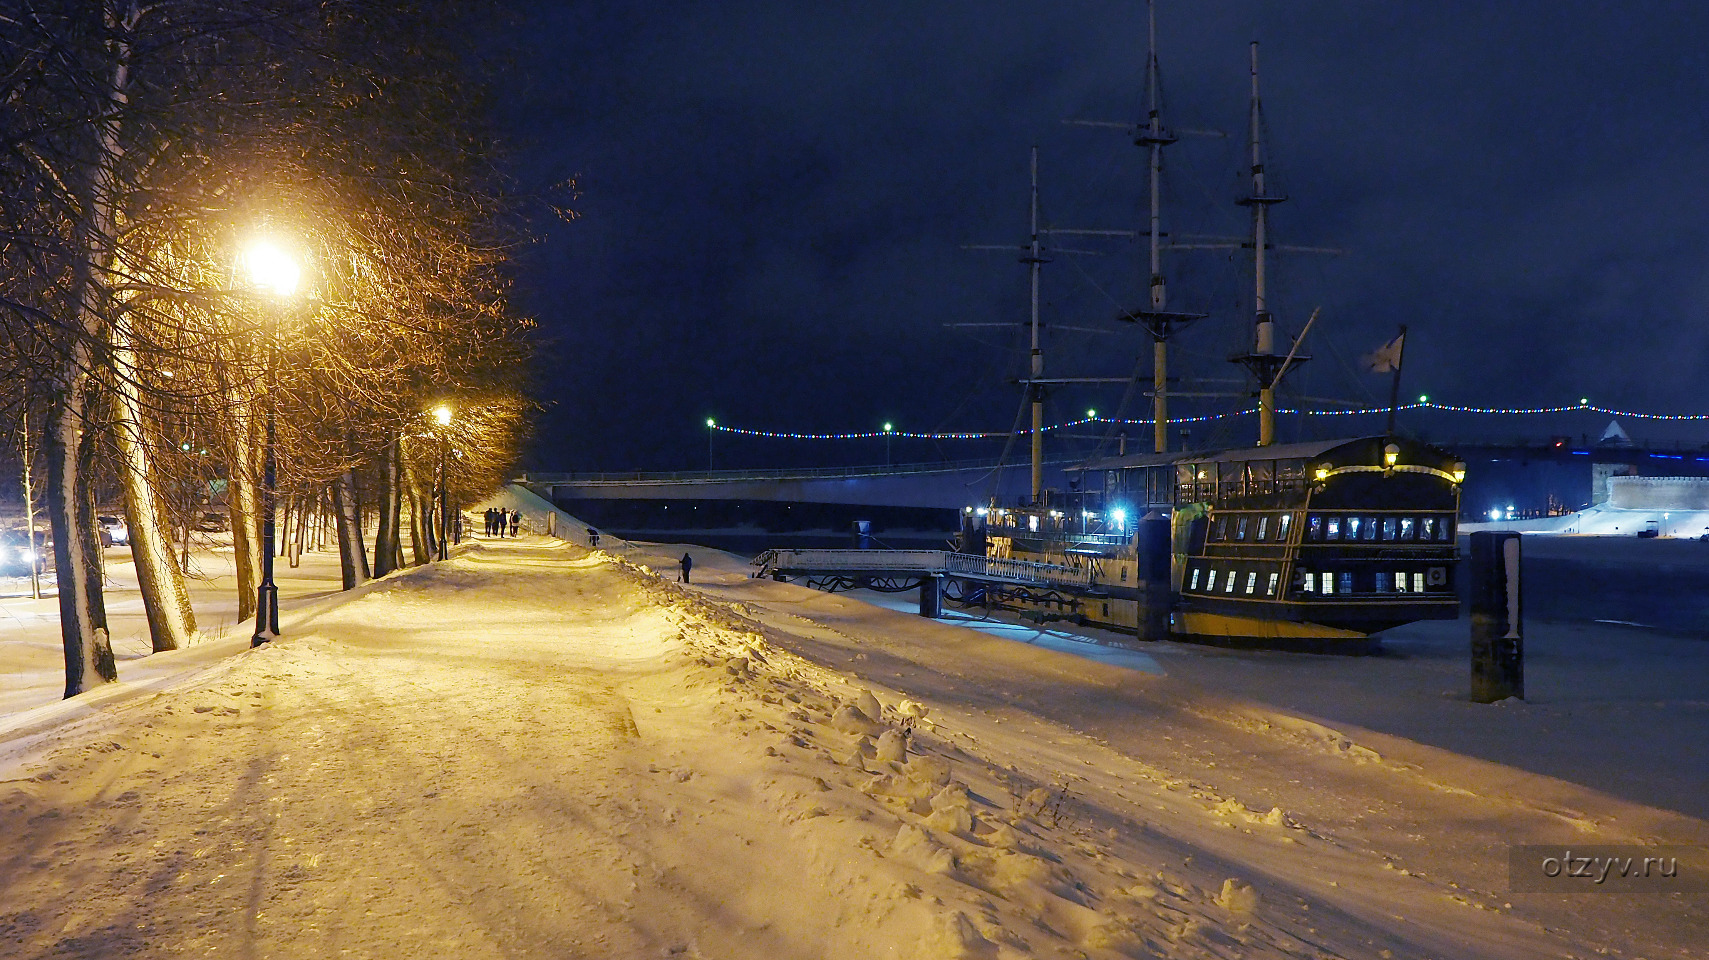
1386, 358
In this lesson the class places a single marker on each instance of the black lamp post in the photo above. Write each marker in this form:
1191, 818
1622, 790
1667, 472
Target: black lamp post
442, 413
272, 271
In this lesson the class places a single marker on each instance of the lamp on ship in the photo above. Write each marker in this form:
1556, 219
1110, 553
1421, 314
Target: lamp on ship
1391, 455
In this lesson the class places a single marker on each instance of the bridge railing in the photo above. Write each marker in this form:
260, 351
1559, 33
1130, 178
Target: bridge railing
784, 473
1025, 571
834, 561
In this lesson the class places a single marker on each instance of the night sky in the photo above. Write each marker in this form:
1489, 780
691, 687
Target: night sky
775, 196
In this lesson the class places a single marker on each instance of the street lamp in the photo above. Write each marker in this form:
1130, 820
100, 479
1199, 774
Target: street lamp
442, 413
711, 431
272, 271
888, 430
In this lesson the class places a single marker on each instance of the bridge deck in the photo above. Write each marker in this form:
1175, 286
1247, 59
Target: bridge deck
918, 563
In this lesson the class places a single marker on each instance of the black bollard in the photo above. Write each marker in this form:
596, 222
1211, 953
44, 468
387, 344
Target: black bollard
1498, 646
1151, 542
932, 597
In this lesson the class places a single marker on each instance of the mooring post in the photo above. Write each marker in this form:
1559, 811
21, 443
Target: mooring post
932, 596
1151, 542
1498, 644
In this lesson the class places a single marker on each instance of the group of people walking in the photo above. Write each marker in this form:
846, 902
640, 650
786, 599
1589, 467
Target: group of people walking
501, 520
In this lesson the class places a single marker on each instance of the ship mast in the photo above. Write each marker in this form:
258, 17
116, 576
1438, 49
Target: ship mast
1266, 366
1157, 319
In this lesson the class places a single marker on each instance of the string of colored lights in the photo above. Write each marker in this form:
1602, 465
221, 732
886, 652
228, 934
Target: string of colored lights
1423, 403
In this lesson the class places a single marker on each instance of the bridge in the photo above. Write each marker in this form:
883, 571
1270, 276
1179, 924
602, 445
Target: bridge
896, 570
1528, 474
944, 485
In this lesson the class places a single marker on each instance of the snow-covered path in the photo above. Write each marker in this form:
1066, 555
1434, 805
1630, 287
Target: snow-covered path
532, 750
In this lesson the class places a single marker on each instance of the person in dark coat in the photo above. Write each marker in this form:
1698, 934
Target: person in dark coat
592, 537
687, 564
489, 521
515, 521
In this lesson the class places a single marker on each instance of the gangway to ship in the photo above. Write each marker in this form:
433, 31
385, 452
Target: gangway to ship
896, 570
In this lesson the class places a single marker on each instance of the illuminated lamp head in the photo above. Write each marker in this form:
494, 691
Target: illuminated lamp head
1391, 455
1459, 471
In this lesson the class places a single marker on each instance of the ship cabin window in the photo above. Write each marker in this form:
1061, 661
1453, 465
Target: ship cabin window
1332, 529
1382, 581
1270, 590
1251, 582
1400, 581
1260, 476
1221, 529
1353, 524
1347, 582
1230, 588
1210, 581
1389, 528
1282, 524
1230, 477
1263, 523
1406, 528
1418, 583
1290, 474
1240, 529
1307, 583
1195, 583
1444, 529
1427, 528
1370, 532
1317, 528
1032, 522
1328, 582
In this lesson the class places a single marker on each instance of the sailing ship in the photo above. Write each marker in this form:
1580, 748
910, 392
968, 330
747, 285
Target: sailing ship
1316, 544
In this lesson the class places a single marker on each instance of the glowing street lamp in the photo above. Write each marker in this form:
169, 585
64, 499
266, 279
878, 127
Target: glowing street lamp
274, 273
889, 428
711, 431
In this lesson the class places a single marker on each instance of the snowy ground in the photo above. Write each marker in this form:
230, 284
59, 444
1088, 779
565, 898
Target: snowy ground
32, 661
538, 750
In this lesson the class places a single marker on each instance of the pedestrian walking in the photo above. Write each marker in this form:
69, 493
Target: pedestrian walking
592, 537
687, 564
500, 520
515, 521
492, 520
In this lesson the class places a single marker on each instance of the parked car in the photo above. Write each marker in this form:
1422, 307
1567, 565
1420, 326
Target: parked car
113, 530
213, 522
16, 553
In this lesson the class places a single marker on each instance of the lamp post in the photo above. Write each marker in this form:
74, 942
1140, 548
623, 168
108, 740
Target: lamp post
442, 413
271, 271
711, 431
889, 428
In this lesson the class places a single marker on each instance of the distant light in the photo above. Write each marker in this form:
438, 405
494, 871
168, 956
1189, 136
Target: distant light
711, 422
1495, 513
981, 512
1423, 398
185, 446
1118, 516
442, 413
888, 427
1584, 401
966, 509
1091, 414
